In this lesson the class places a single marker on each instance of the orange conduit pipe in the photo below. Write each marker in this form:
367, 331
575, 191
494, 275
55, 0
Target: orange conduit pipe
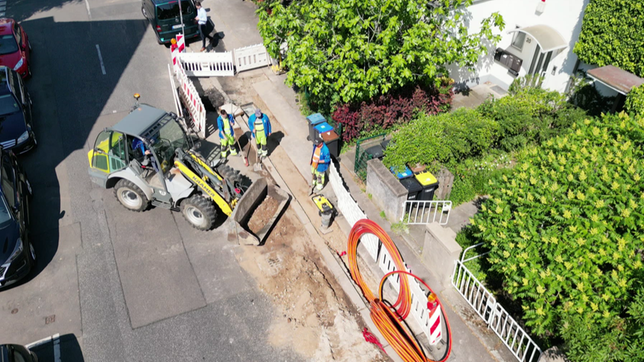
388, 319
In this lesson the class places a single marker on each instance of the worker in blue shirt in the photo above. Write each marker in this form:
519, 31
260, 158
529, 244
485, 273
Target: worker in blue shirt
320, 160
260, 129
225, 123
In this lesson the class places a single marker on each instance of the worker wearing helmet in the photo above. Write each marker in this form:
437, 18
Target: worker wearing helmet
260, 129
225, 123
320, 160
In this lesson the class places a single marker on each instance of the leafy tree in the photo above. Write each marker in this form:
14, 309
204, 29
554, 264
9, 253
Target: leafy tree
566, 228
353, 50
611, 35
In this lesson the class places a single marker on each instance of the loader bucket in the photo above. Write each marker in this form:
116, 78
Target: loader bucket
253, 197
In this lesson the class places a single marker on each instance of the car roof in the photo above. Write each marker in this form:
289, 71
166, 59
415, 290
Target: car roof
139, 120
5, 25
161, 2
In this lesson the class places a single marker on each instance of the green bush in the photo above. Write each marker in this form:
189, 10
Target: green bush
635, 101
566, 227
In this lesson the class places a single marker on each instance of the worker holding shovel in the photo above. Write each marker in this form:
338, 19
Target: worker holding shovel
260, 129
225, 123
320, 160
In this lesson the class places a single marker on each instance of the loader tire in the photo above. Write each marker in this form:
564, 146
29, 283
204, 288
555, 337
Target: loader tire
199, 212
233, 177
130, 196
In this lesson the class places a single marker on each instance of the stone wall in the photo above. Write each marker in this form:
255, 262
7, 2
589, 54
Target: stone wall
440, 250
385, 190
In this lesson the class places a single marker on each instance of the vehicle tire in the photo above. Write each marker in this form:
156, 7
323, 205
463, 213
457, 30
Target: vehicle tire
199, 212
130, 196
233, 177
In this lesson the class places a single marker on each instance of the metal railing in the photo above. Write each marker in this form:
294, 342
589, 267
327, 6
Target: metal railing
494, 315
425, 212
362, 156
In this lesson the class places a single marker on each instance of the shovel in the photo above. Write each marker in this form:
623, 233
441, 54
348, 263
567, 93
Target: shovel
241, 151
258, 162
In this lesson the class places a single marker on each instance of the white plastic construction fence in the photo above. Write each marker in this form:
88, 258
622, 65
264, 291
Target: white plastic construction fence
431, 325
223, 64
494, 315
425, 212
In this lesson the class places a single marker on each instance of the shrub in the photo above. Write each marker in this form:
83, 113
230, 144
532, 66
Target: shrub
635, 101
445, 138
385, 111
565, 229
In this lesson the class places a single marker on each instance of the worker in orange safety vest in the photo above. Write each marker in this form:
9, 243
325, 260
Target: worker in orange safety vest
320, 160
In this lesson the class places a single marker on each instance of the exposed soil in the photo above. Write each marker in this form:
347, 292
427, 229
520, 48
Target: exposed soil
263, 214
314, 317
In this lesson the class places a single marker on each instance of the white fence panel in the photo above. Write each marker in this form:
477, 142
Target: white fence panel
191, 99
251, 57
207, 64
494, 315
425, 212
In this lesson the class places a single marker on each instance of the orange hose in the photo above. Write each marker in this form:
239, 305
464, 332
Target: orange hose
388, 319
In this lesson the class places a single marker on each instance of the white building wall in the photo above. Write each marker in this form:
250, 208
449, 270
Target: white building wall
563, 15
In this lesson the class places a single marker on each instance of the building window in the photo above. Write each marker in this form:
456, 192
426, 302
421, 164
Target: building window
518, 39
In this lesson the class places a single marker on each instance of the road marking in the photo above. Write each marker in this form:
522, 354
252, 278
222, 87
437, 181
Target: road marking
56, 347
100, 58
89, 13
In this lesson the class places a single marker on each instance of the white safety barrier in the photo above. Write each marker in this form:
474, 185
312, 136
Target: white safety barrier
207, 64
192, 100
494, 315
425, 212
251, 57
431, 324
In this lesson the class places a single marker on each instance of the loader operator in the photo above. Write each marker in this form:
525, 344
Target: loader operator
225, 123
320, 160
143, 155
260, 129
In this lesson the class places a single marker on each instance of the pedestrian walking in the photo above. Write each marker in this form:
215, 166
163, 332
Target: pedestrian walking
260, 128
320, 160
202, 20
225, 123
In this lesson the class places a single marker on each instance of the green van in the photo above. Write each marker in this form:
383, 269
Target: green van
163, 16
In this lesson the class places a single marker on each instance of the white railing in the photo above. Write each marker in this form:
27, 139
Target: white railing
425, 212
188, 93
494, 315
430, 325
207, 64
251, 57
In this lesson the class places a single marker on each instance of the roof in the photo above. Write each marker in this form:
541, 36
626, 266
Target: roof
139, 120
546, 36
615, 78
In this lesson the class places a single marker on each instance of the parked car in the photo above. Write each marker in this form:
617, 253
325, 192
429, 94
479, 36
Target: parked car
15, 49
16, 123
17, 254
163, 16
16, 353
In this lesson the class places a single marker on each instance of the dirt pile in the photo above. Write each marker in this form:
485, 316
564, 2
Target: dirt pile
314, 317
263, 214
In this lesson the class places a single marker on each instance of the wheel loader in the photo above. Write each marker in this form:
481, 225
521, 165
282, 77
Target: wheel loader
149, 159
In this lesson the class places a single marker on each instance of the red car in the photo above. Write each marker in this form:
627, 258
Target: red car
15, 48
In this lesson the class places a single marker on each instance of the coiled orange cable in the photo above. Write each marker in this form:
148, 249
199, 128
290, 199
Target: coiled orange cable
388, 318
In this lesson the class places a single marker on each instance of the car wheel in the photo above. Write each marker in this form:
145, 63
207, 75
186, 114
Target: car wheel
199, 212
130, 196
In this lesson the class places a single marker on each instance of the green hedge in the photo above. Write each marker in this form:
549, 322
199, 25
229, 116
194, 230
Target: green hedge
635, 101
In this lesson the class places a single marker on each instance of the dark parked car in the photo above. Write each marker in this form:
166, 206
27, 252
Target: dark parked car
16, 124
16, 353
163, 16
17, 254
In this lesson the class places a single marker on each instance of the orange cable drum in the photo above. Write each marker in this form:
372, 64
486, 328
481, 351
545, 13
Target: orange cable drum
388, 319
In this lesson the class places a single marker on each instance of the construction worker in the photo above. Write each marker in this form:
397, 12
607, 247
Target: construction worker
225, 123
320, 160
260, 129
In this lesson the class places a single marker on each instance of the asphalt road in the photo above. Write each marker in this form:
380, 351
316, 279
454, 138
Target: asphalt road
128, 286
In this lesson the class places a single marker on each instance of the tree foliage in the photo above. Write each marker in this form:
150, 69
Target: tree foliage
354, 50
634, 104
566, 228
611, 35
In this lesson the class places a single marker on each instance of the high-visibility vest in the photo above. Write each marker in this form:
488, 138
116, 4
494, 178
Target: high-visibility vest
259, 125
315, 160
227, 129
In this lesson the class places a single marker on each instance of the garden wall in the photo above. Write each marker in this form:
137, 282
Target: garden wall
385, 190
